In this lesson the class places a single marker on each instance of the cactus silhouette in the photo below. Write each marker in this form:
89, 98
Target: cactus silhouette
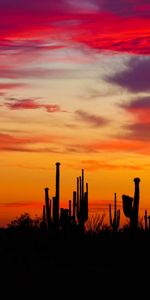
114, 222
78, 206
47, 206
131, 205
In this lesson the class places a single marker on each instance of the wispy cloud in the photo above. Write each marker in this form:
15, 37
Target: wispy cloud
30, 143
12, 85
91, 119
120, 144
15, 104
21, 72
93, 165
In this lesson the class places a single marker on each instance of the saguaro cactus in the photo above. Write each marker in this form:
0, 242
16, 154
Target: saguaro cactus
131, 205
114, 222
47, 206
57, 196
82, 201
74, 205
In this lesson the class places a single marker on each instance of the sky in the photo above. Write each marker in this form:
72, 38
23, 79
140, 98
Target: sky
74, 88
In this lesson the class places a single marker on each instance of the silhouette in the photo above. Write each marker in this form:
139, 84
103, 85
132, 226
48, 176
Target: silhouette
115, 222
59, 256
131, 205
77, 213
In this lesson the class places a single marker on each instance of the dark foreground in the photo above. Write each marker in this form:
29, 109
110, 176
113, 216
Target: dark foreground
103, 266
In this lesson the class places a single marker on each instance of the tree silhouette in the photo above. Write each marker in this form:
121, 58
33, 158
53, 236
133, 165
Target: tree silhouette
24, 221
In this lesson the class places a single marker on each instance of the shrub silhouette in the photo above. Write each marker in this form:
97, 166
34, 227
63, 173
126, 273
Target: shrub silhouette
95, 223
24, 221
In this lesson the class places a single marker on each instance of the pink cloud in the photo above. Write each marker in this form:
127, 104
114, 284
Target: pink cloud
15, 104
17, 72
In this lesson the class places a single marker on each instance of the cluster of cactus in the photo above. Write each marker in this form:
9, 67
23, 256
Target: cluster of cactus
77, 213
80, 202
131, 205
115, 221
51, 207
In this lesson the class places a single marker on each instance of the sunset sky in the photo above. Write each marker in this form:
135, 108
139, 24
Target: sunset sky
74, 88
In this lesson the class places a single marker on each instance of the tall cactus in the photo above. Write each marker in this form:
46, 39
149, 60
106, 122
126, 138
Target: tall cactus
114, 222
47, 206
78, 206
82, 201
74, 205
131, 205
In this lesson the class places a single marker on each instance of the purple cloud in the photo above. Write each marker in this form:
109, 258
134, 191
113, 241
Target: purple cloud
142, 103
124, 8
136, 76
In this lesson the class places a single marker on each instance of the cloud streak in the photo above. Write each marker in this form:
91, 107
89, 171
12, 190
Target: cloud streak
12, 85
9, 142
29, 104
122, 144
91, 119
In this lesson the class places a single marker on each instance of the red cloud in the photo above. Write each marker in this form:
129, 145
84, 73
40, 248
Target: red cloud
9, 86
16, 104
139, 108
140, 128
122, 26
107, 31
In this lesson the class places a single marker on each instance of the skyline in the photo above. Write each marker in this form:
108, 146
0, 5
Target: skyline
74, 87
